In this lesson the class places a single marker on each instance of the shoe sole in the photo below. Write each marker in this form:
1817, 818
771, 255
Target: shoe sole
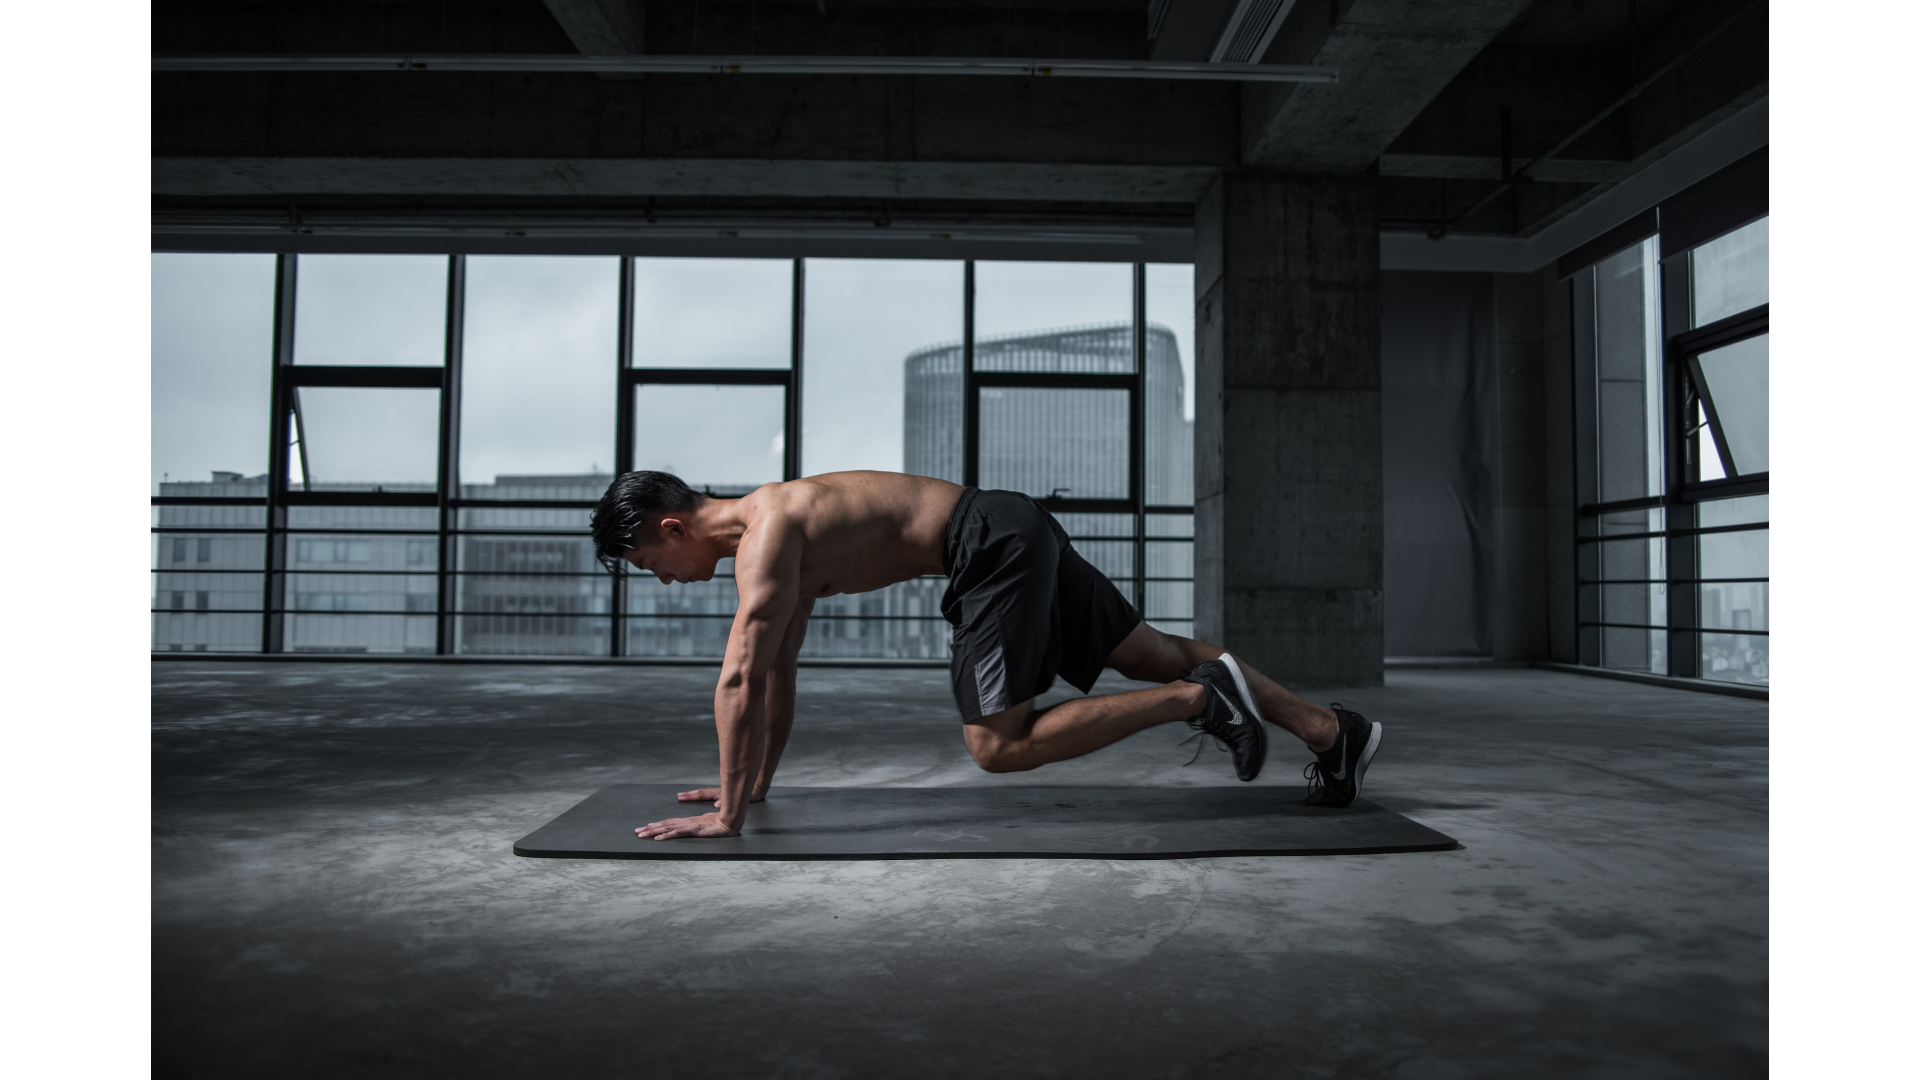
1366, 757
1259, 721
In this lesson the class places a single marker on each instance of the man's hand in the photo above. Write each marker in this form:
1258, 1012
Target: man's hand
673, 828
712, 795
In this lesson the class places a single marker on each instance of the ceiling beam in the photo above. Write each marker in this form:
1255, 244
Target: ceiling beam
602, 27
1394, 58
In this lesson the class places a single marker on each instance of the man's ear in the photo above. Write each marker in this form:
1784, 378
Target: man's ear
673, 528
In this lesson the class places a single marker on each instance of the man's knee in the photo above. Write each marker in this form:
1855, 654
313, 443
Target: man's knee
994, 740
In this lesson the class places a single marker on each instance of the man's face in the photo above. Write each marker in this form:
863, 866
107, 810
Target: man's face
674, 556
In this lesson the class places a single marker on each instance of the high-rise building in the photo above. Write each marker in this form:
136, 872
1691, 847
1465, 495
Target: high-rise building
1066, 442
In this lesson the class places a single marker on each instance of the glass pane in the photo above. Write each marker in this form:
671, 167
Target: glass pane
212, 354
571, 521
387, 310
532, 595
341, 590
338, 632
1020, 309
354, 438
578, 486
726, 440
350, 552
1065, 443
1734, 554
1170, 384
1169, 600
1641, 598
1741, 511
1730, 274
185, 630
525, 555
540, 357
1080, 350
208, 591
713, 313
1113, 558
210, 552
1082, 526
1707, 452
396, 518
1739, 658
1734, 606
873, 398
1169, 559
1627, 354
1170, 525
1736, 377
647, 596
655, 636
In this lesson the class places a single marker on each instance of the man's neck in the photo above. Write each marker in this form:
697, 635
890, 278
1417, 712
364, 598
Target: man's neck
719, 522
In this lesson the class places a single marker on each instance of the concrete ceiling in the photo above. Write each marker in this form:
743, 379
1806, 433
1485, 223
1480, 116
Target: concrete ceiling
1439, 100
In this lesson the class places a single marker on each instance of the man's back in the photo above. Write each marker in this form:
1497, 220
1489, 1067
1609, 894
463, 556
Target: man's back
861, 530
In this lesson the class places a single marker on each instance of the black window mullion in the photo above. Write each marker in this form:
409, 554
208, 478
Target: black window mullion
1586, 444
623, 444
449, 475
969, 389
272, 637
1137, 437
791, 464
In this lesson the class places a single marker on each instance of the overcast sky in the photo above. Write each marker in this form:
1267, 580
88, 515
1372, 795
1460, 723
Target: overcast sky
540, 353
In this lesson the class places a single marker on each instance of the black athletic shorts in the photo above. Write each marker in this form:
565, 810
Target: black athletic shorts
1024, 605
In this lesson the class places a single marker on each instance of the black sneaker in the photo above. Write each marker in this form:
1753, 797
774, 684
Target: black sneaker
1230, 716
1334, 780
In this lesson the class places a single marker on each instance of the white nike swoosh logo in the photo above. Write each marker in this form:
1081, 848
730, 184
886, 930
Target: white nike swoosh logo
1231, 709
1342, 774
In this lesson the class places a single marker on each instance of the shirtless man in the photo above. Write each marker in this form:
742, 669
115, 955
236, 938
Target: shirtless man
1024, 605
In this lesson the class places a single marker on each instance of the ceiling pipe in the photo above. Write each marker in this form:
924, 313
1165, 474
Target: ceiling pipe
764, 65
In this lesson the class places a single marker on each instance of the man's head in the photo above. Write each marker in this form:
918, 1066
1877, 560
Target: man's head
645, 515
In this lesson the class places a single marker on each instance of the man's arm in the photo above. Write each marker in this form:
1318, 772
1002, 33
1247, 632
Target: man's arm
767, 574
780, 694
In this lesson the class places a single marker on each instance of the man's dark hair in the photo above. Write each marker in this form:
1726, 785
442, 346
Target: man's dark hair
634, 503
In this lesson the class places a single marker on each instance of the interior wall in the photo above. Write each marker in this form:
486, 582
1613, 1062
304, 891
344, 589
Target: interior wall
1465, 440
1440, 427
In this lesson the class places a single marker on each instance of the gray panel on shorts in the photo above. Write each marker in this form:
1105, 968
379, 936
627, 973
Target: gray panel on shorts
990, 682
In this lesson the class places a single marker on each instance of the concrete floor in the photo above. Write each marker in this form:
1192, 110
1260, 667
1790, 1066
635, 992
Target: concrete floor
333, 893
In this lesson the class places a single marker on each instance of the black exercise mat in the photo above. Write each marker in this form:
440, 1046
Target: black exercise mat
987, 823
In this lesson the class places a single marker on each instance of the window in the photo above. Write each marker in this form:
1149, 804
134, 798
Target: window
359, 438
357, 479
1778, 525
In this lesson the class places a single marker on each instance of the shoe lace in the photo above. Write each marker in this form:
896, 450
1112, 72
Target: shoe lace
1316, 784
1199, 732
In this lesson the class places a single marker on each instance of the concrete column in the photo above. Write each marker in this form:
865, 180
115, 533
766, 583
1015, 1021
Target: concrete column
1289, 522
